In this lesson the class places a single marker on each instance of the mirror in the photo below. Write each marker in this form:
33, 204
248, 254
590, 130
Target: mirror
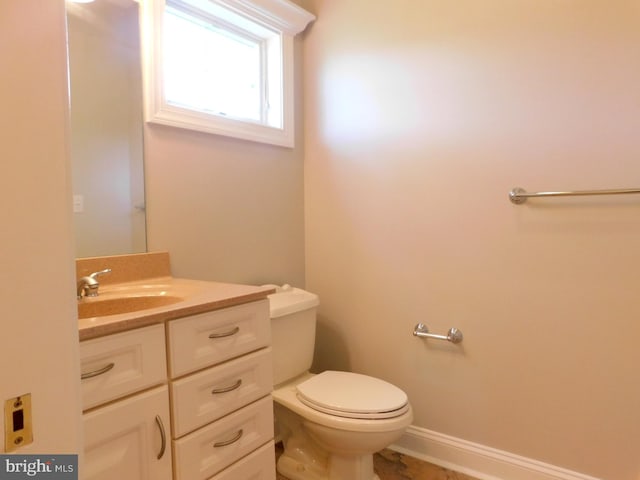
106, 127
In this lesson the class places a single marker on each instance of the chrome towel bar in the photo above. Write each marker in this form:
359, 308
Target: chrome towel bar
453, 335
519, 195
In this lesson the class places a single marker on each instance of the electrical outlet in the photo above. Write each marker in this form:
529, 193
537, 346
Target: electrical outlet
18, 429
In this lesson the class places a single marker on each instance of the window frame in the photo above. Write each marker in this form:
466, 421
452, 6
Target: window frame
282, 17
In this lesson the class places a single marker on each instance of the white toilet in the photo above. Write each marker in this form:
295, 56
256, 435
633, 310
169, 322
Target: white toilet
330, 423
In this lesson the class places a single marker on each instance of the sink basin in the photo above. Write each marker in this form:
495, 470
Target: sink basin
100, 307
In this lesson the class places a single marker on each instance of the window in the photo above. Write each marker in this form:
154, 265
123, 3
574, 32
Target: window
222, 66
197, 80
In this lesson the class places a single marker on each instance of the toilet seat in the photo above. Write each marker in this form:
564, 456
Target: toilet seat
352, 395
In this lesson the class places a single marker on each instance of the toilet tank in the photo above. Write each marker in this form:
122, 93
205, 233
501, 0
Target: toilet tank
293, 331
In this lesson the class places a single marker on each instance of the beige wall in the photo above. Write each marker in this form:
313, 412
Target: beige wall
419, 119
226, 209
38, 332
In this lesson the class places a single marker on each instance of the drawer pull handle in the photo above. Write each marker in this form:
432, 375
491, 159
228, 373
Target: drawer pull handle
224, 443
97, 372
230, 388
163, 437
225, 334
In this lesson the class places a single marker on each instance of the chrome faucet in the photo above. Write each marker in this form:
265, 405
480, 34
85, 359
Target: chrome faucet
88, 286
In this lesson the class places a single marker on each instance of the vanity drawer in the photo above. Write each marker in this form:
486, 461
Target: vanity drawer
211, 394
206, 339
120, 364
205, 452
259, 465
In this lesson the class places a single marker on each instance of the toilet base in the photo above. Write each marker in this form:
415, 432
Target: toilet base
338, 468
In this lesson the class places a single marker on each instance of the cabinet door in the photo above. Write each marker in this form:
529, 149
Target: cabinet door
129, 439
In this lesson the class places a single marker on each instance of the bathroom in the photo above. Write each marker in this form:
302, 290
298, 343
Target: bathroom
414, 121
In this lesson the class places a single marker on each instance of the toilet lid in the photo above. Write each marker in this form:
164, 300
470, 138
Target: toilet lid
352, 395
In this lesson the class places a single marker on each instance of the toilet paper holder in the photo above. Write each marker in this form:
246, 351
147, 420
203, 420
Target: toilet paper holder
453, 335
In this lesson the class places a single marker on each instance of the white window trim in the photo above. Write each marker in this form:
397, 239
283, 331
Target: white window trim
279, 15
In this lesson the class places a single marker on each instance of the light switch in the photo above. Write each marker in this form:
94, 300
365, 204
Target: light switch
78, 203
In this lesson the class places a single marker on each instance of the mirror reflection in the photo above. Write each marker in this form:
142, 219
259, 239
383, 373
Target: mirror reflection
106, 127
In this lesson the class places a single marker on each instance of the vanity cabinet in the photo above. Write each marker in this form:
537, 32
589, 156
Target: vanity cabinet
209, 418
221, 379
126, 403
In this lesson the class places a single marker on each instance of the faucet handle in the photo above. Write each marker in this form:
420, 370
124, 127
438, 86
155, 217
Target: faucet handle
88, 286
101, 272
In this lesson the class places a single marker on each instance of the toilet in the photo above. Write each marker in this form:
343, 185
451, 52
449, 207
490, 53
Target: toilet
333, 422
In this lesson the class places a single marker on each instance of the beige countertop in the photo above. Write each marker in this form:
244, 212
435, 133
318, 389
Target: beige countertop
195, 297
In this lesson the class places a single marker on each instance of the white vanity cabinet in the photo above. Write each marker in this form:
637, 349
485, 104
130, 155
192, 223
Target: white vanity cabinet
126, 403
221, 379
209, 418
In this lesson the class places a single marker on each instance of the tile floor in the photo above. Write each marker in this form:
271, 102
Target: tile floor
390, 465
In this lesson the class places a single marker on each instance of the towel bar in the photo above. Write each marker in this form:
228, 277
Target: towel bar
519, 195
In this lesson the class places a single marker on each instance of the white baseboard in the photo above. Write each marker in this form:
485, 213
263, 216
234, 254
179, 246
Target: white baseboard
479, 461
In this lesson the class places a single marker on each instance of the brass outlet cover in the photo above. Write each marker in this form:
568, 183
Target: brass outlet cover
18, 429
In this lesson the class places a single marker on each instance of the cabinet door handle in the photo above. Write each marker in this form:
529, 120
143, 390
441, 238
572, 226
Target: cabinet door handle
224, 443
163, 437
231, 332
97, 372
230, 388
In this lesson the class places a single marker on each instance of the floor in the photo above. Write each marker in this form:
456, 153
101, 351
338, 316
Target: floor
390, 465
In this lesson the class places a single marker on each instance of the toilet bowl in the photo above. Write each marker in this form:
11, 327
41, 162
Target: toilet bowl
330, 423
329, 440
